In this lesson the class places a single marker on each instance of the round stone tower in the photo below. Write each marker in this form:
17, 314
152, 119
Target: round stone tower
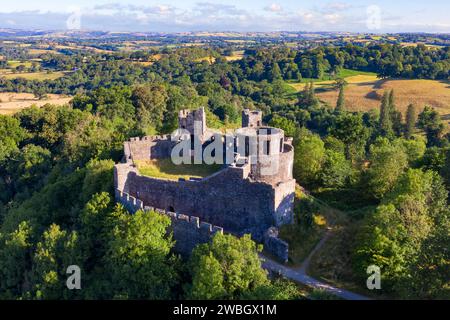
269, 153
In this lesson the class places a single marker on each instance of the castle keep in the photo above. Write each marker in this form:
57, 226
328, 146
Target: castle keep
252, 193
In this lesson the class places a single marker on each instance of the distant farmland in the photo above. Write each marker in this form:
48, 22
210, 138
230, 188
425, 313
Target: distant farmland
11, 102
41, 76
364, 93
367, 95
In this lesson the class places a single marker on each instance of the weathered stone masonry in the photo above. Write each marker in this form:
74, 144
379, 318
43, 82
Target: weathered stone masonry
227, 198
188, 231
240, 198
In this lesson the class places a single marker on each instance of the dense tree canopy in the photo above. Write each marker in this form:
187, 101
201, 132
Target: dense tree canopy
389, 175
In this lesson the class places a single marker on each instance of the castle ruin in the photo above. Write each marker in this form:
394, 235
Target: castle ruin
253, 193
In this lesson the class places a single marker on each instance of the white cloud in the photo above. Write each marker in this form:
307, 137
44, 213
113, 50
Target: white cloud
204, 15
274, 7
337, 6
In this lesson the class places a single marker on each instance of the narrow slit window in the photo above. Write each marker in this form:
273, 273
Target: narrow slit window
247, 146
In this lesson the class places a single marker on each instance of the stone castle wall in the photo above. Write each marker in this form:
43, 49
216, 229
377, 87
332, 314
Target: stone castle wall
282, 164
188, 231
194, 121
251, 118
227, 198
240, 198
147, 148
276, 246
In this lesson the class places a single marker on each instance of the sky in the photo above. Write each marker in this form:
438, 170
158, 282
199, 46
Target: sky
375, 16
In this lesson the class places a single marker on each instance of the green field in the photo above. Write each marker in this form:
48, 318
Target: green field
15, 63
9, 73
166, 169
365, 89
41, 76
344, 73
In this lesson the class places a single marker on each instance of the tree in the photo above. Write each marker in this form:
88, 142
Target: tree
48, 125
434, 159
335, 170
15, 250
279, 289
385, 124
150, 102
387, 163
227, 113
308, 97
287, 125
444, 169
114, 102
231, 264
430, 274
40, 93
93, 139
340, 104
207, 279
28, 167
275, 72
308, 159
312, 94
319, 66
410, 121
395, 115
430, 121
139, 257
180, 96
397, 237
96, 223
392, 101
414, 149
57, 250
350, 129
11, 134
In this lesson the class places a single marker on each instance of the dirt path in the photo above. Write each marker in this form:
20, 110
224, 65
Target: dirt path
304, 267
301, 277
299, 274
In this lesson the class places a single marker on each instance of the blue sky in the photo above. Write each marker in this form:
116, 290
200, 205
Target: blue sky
230, 15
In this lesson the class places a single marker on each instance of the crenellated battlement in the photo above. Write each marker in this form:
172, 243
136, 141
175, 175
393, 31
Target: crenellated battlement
151, 138
129, 202
188, 231
148, 147
253, 192
195, 222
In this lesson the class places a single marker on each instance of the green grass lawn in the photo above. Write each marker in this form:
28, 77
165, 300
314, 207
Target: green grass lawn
40, 76
327, 82
343, 73
166, 169
16, 63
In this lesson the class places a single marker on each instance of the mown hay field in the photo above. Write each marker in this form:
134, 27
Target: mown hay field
237, 55
11, 102
363, 95
364, 92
